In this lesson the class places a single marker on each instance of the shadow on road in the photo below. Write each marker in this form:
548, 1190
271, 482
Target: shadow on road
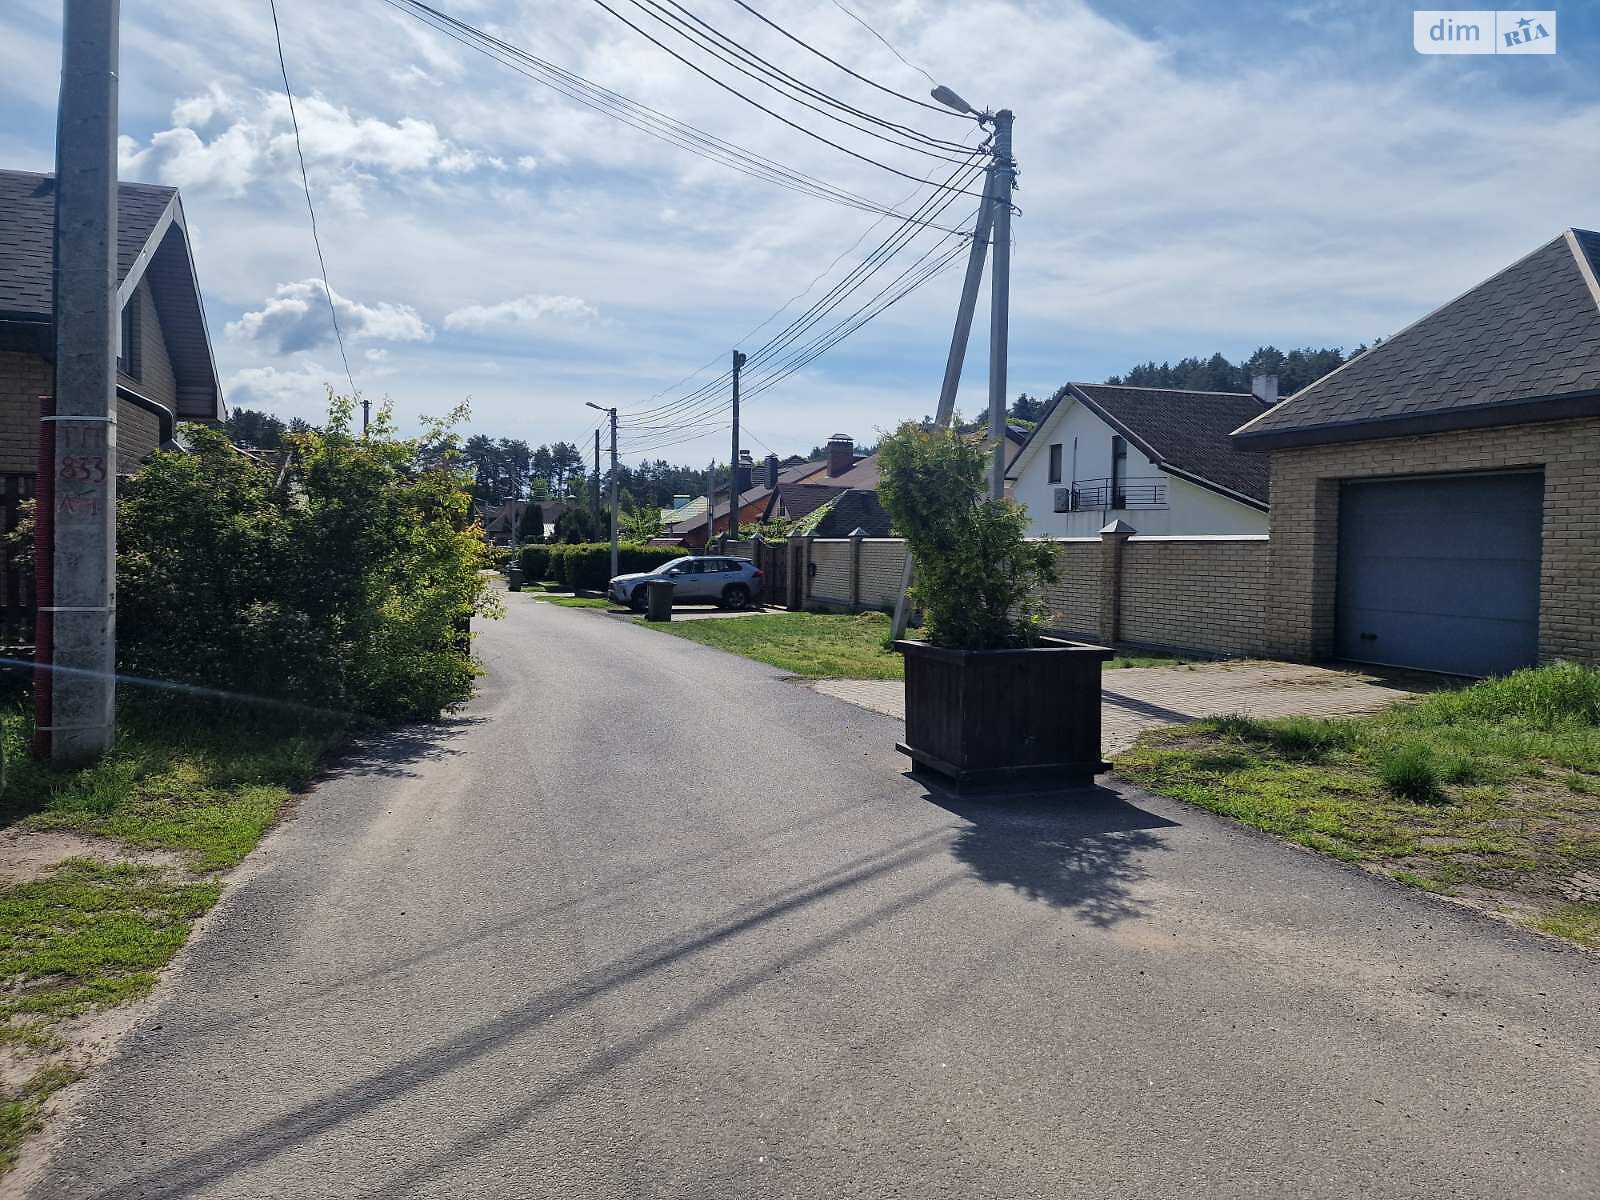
394, 752
1078, 850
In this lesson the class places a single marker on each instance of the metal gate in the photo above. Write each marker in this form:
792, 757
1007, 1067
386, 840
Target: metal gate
773, 559
1441, 572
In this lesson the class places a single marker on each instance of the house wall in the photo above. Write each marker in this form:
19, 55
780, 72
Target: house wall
1304, 555
138, 435
23, 379
156, 379
1190, 509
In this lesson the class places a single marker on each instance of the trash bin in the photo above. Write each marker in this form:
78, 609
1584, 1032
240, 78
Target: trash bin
659, 592
514, 577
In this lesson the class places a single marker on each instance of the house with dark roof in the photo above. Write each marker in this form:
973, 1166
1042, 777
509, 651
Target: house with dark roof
1159, 459
1436, 500
165, 370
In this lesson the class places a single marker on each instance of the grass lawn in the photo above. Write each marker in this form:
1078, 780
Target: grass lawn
812, 645
830, 645
1490, 793
90, 934
574, 601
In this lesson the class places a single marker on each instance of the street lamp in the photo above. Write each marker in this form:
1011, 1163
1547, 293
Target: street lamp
949, 99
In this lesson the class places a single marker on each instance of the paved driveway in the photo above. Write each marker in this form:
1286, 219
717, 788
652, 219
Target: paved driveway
1138, 698
649, 921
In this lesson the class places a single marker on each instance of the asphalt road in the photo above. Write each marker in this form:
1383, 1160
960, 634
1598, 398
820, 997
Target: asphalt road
649, 921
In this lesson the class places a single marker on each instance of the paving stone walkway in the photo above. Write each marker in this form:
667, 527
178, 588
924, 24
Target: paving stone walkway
1134, 699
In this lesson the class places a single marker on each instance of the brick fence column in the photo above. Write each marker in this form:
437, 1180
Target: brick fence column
856, 536
1112, 539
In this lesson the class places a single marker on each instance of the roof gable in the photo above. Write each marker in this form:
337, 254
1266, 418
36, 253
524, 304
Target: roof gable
152, 245
1528, 335
1181, 431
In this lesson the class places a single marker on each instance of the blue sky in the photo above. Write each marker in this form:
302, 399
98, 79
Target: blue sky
1195, 176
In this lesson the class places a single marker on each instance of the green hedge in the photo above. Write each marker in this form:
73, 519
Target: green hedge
536, 563
586, 567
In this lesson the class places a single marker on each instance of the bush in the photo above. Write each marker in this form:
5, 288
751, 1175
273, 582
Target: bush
978, 578
586, 567
346, 585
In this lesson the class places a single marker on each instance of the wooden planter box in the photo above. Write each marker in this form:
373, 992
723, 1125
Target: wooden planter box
992, 719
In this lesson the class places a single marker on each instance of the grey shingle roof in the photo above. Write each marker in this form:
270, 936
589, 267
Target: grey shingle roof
1185, 431
27, 251
1527, 335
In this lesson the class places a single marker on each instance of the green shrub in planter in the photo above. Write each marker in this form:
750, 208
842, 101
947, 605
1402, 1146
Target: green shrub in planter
978, 578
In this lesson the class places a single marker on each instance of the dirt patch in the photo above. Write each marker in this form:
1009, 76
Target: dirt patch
26, 855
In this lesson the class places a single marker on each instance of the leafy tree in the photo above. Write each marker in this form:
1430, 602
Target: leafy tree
640, 524
253, 428
532, 527
978, 577
576, 526
346, 588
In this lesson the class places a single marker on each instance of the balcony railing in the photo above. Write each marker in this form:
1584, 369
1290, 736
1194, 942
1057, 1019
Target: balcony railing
1090, 494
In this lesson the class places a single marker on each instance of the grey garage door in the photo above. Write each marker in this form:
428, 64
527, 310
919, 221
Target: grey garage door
1441, 573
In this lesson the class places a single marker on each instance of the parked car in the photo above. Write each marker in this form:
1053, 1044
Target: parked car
713, 579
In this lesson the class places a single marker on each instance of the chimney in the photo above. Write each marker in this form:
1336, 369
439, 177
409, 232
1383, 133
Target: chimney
772, 470
1264, 388
841, 454
747, 470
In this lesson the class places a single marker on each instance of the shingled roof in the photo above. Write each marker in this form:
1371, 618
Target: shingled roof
1524, 345
152, 243
1183, 432
27, 237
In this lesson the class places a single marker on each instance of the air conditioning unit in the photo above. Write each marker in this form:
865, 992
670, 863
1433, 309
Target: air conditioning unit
1063, 499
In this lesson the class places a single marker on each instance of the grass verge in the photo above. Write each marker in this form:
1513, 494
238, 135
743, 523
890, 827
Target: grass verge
89, 934
1490, 793
574, 601
831, 645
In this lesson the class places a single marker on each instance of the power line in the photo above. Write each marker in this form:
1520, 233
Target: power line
635, 115
859, 20
305, 180
733, 91
873, 262
938, 108
701, 402
748, 334
766, 71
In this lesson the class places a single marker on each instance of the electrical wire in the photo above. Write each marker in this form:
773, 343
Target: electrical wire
701, 402
719, 45
859, 20
938, 108
733, 91
635, 115
311, 210
853, 279
782, 308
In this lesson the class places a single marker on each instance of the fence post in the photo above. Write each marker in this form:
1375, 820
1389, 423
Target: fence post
856, 536
1112, 539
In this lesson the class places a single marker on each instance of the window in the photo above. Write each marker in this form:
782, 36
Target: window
1055, 463
128, 353
1119, 470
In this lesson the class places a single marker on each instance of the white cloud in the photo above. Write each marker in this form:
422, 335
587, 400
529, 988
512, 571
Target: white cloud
377, 354
296, 318
523, 310
197, 111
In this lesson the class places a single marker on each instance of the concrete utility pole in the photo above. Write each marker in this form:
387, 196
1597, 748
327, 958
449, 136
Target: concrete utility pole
87, 326
1004, 180
711, 500
733, 463
595, 491
612, 413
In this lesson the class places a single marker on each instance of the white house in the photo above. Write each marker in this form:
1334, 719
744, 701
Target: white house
1158, 458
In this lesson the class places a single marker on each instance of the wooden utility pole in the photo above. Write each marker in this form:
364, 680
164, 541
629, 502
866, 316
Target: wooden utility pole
82, 611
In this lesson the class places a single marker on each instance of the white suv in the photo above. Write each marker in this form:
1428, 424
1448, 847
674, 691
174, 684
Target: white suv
713, 579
